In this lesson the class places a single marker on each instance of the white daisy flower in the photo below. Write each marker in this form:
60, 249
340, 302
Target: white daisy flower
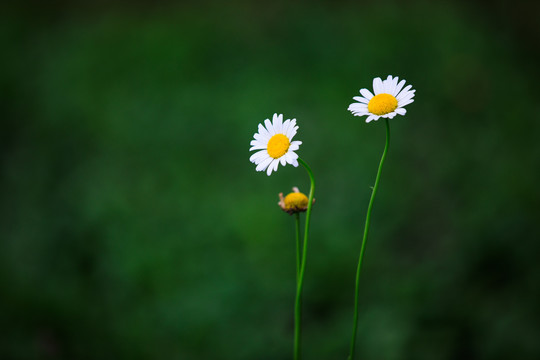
389, 100
275, 144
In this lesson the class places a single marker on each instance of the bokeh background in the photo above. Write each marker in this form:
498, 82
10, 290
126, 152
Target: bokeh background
133, 225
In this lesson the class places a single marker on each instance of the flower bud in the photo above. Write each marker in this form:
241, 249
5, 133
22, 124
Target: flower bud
294, 202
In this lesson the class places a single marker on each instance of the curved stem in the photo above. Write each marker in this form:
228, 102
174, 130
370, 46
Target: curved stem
364, 240
300, 283
298, 245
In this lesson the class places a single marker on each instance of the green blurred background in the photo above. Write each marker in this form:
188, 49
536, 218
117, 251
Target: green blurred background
135, 227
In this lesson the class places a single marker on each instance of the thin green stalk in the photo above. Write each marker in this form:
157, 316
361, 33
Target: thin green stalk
300, 283
298, 245
366, 230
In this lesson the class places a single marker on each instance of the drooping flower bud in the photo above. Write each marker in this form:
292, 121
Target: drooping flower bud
294, 202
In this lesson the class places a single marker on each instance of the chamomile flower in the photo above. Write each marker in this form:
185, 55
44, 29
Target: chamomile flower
275, 144
389, 99
294, 202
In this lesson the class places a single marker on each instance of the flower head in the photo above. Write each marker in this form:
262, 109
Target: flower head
389, 99
275, 144
294, 202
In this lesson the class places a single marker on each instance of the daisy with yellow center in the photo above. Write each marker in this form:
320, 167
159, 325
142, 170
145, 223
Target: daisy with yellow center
389, 99
275, 145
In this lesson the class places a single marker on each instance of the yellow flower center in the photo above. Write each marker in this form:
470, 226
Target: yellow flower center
382, 104
278, 146
296, 201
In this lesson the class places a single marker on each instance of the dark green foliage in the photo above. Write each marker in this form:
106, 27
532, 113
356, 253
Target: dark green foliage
134, 226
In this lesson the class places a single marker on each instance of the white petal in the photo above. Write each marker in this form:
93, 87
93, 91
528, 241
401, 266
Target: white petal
405, 95
258, 156
357, 106
276, 164
361, 99
393, 86
387, 84
360, 113
378, 86
401, 111
406, 99
398, 88
272, 166
264, 164
405, 90
291, 154
292, 128
291, 158
405, 103
357, 113
384, 87
366, 93
292, 131
261, 138
256, 142
263, 131
269, 127
295, 145
372, 117
286, 125
269, 170
278, 123
283, 160
257, 147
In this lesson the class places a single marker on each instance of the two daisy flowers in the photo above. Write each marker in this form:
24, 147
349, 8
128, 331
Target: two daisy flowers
274, 140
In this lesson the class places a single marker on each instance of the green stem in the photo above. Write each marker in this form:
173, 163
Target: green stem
298, 245
366, 230
300, 283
